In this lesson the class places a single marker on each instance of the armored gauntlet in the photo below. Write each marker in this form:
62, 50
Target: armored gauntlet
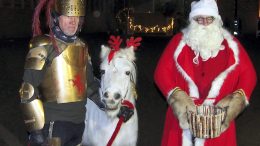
32, 109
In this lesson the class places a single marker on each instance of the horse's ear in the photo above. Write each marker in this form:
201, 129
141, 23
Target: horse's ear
130, 53
104, 51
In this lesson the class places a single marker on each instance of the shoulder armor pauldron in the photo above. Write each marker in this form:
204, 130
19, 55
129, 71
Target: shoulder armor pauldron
37, 54
39, 41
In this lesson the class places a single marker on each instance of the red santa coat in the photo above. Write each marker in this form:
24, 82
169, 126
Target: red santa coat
230, 70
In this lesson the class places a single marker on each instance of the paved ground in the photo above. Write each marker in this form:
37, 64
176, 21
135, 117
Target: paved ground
151, 105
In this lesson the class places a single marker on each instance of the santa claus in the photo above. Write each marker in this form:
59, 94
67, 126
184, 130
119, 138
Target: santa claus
203, 65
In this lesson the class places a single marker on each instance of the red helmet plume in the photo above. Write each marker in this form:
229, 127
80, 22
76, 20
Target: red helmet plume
46, 5
36, 25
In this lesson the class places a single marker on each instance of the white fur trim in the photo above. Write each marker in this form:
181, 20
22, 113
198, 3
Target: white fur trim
169, 94
209, 101
215, 86
193, 89
186, 138
204, 7
199, 142
219, 80
246, 100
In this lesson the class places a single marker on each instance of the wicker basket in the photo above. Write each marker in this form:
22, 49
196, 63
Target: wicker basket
206, 122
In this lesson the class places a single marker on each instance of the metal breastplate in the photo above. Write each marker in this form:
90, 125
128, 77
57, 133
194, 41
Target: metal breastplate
65, 79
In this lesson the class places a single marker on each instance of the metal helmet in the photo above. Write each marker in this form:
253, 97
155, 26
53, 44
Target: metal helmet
70, 7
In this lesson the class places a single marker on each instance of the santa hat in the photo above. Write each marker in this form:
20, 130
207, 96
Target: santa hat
204, 7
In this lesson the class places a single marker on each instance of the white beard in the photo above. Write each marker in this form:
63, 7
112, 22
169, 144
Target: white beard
205, 41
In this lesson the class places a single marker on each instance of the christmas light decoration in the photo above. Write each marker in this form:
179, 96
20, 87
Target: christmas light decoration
139, 28
126, 17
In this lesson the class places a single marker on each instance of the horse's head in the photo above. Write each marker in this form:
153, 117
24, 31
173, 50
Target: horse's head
118, 78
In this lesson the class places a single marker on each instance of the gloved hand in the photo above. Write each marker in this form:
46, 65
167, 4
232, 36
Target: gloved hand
36, 138
180, 103
235, 104
126, 112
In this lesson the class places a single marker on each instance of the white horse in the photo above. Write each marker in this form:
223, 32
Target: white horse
117, 85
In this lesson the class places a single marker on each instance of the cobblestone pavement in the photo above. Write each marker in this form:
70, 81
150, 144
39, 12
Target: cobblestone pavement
151, 105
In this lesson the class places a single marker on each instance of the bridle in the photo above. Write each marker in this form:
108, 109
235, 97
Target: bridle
115, 44
131, 83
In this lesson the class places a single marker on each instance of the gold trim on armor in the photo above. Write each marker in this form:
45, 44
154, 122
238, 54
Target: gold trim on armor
26, 91
70, 7
33, 115
35, 59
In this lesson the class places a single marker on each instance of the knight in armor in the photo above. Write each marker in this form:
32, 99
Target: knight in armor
58, 76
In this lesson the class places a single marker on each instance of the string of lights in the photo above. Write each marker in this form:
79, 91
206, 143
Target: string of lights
125, 17
123, 14
150, 29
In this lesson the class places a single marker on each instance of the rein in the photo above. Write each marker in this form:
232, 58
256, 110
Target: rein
127, 104
120, 122
115, 43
